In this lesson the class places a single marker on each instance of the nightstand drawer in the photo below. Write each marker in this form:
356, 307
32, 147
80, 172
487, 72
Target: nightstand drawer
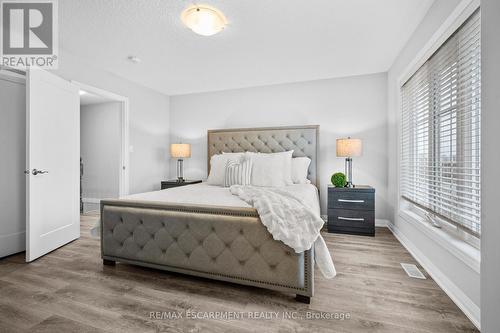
351, 218
352, 230
351, 200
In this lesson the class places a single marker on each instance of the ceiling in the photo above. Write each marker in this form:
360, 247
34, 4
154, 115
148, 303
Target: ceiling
266, 41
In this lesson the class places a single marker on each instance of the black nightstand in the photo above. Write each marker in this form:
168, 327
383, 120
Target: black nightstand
175, 183
351, 210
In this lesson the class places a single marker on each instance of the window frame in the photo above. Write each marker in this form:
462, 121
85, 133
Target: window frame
407, 210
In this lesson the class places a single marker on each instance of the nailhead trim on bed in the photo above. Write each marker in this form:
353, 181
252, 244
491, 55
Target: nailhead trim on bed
306, 265
212, 210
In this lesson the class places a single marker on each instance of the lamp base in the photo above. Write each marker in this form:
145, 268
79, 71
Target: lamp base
180, 171
348, 172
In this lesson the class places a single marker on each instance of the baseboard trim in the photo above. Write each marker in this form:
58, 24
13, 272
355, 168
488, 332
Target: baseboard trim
12, 243
381, 223
469, 308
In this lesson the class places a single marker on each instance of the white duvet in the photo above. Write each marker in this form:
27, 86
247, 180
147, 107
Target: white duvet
290, 213
290, 218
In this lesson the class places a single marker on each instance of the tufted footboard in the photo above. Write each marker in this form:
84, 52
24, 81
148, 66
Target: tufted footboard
223, 243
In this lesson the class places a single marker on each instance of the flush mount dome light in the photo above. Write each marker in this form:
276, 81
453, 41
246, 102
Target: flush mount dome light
204, 20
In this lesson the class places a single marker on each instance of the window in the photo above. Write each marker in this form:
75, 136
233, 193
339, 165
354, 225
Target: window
440, 131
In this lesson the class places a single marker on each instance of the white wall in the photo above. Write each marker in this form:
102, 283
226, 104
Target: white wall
149, 120
459, 280
100, 147
12, 164
490, 222
355, 106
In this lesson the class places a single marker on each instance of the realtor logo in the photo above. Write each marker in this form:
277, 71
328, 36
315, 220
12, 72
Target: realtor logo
29, 33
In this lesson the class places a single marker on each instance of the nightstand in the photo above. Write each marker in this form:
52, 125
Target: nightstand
351, 210
175, 183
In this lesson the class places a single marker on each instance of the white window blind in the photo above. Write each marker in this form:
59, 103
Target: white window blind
440, 138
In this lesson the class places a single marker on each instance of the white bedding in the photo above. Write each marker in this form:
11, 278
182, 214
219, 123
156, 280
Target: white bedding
204, 194
196, 194
210, 195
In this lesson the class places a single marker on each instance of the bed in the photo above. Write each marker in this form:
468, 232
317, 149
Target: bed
202, 230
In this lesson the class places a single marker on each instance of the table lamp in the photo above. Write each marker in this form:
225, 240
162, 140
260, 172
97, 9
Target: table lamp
348, 148
180, 151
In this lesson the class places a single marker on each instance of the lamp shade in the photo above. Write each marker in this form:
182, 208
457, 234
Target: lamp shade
180, 150
348, 147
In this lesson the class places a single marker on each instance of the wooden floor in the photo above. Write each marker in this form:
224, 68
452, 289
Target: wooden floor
69, 290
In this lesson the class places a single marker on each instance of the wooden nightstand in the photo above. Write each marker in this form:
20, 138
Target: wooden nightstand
174, 183
351, 210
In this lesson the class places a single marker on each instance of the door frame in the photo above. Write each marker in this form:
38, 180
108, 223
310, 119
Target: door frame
124, 174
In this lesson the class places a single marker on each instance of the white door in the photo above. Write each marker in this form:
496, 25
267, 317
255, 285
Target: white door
52, 163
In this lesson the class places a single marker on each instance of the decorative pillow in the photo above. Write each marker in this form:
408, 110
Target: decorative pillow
218, 167
238, 172
274, 169
300, 169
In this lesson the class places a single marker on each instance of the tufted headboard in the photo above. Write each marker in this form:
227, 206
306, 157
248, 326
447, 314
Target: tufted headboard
303, 140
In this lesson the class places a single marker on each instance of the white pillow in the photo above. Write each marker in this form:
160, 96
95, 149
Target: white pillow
274, 169
218, 167
300, 168
238, 172
234, 154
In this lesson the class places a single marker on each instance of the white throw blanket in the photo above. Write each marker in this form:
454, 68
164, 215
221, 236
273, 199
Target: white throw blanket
289, 220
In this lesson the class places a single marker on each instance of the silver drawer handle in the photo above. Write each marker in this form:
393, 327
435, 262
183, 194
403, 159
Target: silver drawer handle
350, 218
347, 200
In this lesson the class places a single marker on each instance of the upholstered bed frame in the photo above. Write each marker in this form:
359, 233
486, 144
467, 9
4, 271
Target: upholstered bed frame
223, 243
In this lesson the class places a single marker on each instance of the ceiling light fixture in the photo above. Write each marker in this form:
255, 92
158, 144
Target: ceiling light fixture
204, 20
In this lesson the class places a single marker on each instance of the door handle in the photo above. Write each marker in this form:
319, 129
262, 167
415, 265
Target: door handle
36, 172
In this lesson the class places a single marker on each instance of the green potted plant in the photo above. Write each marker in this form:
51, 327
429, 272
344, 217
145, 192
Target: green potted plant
338, 179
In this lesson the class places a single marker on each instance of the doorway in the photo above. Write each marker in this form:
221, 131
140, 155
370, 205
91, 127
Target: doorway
104, 148
12, 150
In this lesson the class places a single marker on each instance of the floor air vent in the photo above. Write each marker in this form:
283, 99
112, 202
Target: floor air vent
413, 271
